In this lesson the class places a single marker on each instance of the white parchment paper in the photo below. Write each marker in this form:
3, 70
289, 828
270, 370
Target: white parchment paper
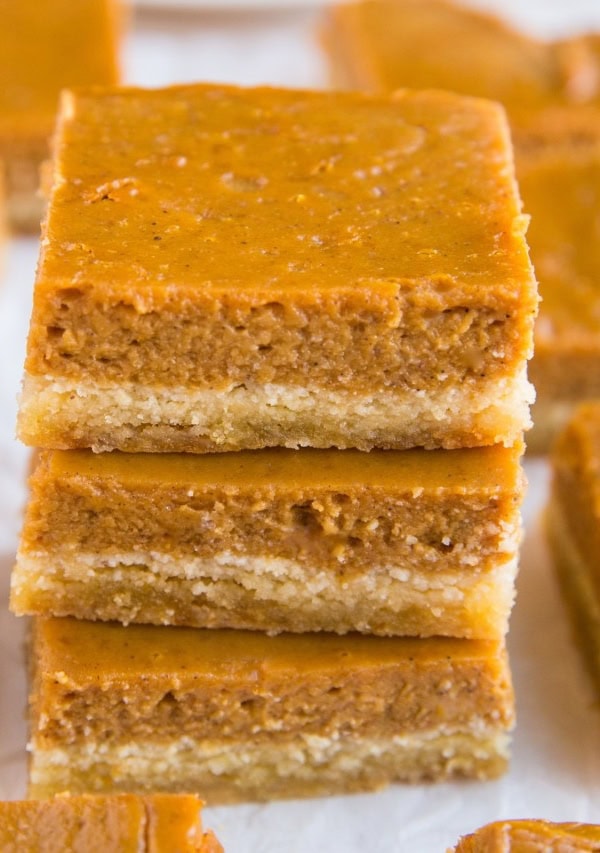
555, 772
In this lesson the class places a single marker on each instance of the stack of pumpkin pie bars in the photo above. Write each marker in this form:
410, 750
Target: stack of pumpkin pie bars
276, 373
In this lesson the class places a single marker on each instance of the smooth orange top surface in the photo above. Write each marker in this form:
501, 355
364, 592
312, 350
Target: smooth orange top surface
46, 46
101, 652
159, 193
494, 469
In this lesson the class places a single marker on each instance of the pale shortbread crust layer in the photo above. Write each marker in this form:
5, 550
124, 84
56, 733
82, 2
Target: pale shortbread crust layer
265, 593
309, 765
136, 418
580, 591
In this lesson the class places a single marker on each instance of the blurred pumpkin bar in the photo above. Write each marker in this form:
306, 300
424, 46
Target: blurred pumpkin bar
381, 45
45, 47
531, 836
409, 542
230, 269
573, 524
122, 823
559, 174
244, 716
552, 93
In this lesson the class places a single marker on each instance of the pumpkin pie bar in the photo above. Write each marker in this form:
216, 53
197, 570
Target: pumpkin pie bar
411, 542
34, 40
531, 836
122, 823
228, 269
574, 525
243, 716
381, 45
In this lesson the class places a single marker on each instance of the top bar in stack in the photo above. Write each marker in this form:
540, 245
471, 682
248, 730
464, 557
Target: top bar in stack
226, 268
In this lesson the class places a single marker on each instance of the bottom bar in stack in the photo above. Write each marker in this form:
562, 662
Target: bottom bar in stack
239, 715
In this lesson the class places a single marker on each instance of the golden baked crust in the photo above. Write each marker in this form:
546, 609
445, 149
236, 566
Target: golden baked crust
377, 294
186, 704
391, 542
35, 39
122, 823
574, 526
531, 836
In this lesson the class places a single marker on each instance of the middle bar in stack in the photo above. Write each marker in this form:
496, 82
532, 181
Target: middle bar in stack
412, 542
228, 269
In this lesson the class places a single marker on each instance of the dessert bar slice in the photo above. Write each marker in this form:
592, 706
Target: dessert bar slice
122, 823
229, 268
34, 40
244, 716
529, 836
409, 542
574, 525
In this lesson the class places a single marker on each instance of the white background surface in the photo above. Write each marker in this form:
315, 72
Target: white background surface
555, 771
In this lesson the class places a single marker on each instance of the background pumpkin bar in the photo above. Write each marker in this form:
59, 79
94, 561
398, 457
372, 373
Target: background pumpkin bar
226, 268
34, 40
243, 716
529, 836
381, 45
122, 823
574, 525
409, 542
552, 93
559, 174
